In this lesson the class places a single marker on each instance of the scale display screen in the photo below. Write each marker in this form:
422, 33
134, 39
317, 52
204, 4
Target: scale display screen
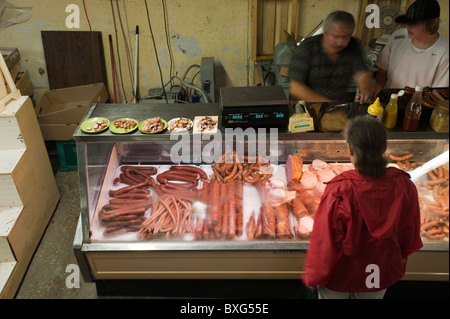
254, 106
257, 119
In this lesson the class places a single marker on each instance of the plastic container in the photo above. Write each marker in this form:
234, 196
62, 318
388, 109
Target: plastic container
376, 110
67, 155
390, 113
439, 120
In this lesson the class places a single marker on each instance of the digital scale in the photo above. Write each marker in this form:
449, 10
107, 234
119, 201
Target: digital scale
254, 106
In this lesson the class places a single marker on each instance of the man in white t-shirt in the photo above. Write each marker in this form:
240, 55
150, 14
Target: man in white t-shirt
417, 55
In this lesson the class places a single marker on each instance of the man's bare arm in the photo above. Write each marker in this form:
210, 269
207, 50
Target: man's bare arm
301, 91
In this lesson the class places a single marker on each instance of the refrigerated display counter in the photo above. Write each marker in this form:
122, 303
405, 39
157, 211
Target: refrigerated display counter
177, 238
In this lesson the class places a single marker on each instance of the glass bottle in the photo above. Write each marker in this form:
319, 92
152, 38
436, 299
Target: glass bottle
413, 111
390, 113
439, 120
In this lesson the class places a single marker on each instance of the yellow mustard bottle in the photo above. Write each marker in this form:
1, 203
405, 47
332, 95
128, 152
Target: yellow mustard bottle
376, 110
390, 113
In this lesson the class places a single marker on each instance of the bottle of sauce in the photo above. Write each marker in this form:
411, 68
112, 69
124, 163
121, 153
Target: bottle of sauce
390, 113
376, 110
413, 111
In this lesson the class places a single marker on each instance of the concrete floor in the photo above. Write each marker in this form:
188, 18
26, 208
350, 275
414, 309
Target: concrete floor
46, 275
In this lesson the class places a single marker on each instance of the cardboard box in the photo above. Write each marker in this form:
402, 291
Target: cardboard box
60, 111
15, 71
58, 132
11, 56
68, 105
23, 83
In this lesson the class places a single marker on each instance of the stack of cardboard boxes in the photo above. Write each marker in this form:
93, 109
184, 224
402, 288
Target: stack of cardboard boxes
20, 76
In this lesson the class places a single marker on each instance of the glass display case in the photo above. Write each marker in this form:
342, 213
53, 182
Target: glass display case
180, 205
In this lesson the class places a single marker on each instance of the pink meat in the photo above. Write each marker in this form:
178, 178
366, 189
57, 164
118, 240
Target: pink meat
340, 168
304, 227
308, 179
318, 165
326, 175
319, 189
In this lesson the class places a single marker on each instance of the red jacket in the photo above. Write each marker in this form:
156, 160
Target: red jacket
361, 221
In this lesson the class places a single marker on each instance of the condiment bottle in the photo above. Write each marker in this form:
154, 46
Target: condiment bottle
413, 111
439, 120
390, 113
376, 110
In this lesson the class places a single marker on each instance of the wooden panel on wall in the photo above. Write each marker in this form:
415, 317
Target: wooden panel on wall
367, 35
74, 58
269, 20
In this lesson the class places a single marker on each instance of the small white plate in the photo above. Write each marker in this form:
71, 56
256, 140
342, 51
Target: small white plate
172, 124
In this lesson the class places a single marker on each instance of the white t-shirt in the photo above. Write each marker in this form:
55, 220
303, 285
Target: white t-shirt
408, 66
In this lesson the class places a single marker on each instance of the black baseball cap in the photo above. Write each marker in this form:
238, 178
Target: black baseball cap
419, 11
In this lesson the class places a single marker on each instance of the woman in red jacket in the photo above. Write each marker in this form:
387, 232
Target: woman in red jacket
367, 223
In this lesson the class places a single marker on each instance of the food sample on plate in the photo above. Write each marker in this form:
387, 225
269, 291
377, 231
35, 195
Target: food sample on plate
205, 124
125, 124
180, 124
95, 125
153, 125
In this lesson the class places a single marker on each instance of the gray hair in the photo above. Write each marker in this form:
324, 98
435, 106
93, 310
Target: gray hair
343, 17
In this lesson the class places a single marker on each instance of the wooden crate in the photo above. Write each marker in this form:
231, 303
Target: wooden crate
6, 93
28, 191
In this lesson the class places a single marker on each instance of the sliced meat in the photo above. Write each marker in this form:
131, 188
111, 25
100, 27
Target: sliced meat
309, 179
326, 175
304, 227
318, 165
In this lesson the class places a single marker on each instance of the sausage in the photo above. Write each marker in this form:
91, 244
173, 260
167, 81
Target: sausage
148, 170
180, 193
122, 190
231, 188
132, 195
232, 174
176, 176
437, 181
200, 220
118, 230
268, 219
400, 158
283, 226
127, 201
298, 208
215, 204
254, 179
239, 208
108, 214
193, 169
258, 228
251, 227
222, 227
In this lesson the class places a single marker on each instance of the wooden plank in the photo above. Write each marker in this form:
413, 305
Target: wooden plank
294, 13
270, 16
282, 20
254, 31
74, 58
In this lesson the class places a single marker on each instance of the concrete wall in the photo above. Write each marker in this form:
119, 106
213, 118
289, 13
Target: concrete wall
197, 28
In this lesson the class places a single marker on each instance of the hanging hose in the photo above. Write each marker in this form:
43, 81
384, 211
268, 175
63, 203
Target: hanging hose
112, 68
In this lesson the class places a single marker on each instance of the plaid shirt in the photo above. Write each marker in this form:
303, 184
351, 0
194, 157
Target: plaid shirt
310, 65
